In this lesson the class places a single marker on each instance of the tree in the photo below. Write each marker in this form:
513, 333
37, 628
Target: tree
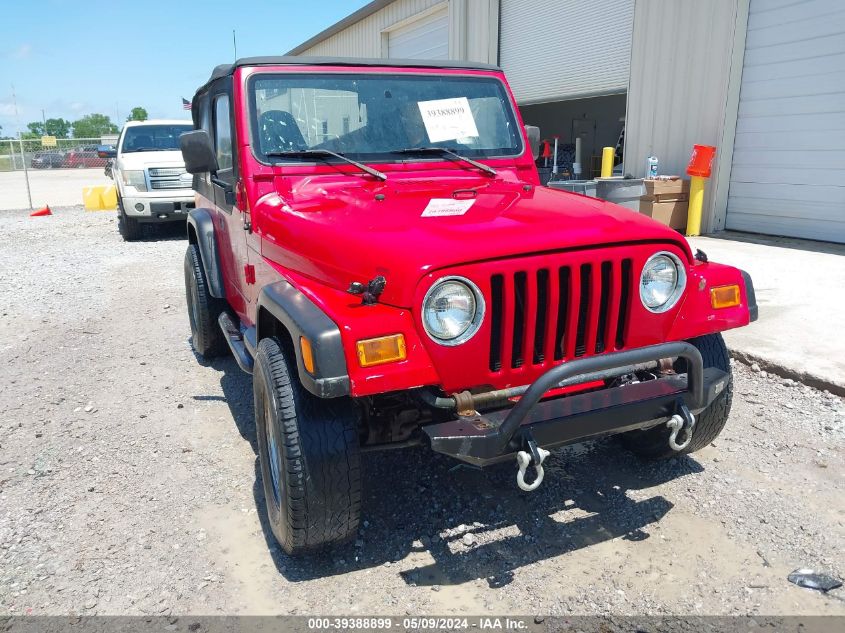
138, 114
60, 128
93, 125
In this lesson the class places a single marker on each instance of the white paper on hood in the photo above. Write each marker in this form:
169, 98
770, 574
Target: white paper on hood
438, 207
448, 119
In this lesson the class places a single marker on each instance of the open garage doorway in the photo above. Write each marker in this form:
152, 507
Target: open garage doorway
597, 121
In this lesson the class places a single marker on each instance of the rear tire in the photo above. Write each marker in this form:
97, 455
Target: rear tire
203, 309
309, 453
653, 443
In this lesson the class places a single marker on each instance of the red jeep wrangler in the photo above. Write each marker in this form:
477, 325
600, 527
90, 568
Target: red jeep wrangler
372, 243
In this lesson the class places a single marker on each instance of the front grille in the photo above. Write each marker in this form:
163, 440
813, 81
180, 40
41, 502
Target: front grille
167, 178
558, 313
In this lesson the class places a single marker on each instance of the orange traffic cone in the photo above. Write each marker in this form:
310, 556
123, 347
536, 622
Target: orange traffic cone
41, 212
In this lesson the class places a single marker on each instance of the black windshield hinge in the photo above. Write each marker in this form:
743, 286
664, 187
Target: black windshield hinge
370, 293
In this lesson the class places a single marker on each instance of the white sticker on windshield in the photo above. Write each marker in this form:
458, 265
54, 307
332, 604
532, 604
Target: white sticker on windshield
438, 207
448, 119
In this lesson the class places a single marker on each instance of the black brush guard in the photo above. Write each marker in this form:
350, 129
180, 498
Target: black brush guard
483, 439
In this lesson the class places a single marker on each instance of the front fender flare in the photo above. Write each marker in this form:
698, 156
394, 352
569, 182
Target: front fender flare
202, 223
301, 317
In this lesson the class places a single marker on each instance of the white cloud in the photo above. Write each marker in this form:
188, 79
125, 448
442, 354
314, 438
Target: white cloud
7, 109
22, 52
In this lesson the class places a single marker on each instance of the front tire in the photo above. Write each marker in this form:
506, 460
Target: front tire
203, 309
309, 453
653, 443
130, 229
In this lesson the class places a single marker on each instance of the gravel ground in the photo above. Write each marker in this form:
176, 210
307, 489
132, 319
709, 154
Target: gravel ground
128, 479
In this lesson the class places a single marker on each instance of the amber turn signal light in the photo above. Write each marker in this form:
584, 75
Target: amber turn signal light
384, 349
724, 296
307, 354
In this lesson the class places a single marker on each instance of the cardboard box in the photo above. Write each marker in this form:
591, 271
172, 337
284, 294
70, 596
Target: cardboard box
666, 190
672, 213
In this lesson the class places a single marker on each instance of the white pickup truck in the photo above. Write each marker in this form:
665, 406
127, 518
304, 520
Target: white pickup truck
149, 173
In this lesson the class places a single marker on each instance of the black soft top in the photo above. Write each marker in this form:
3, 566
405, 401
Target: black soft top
290, 60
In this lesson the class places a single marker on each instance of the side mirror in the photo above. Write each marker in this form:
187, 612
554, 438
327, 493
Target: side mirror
533, 133
197, 152
106, 151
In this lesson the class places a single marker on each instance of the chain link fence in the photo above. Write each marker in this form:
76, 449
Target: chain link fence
68, 153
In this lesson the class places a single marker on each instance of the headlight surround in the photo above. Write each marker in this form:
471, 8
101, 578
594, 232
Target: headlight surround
452, 310
135, 178
662, 282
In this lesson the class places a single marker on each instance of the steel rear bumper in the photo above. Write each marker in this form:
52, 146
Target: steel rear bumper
483, 439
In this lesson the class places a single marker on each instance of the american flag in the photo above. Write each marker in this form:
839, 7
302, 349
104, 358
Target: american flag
186, 105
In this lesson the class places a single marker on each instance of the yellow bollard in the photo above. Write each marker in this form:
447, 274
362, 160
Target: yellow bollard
607, 162
700, 164
696, 203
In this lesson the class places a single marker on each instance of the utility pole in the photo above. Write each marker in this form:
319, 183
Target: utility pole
44, 118
20, 141
235, 44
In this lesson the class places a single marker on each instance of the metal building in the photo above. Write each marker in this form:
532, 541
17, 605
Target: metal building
762, 80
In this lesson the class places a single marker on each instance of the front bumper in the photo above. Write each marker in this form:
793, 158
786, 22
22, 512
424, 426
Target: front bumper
483, 439
158, 208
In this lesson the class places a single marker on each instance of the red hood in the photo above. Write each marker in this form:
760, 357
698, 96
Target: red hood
335, 230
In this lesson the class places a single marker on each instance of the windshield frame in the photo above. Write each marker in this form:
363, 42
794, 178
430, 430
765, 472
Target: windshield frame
386, 159
189, 126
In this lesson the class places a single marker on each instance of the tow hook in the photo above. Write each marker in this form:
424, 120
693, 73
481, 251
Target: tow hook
523, 459
683, 424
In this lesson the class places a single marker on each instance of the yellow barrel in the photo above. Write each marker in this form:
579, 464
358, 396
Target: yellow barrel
696, 202
607, 162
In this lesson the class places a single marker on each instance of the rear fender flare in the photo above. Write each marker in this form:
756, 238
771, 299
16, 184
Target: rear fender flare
201, 233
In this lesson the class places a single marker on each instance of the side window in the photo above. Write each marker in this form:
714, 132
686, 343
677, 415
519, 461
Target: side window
223, 134
204, 114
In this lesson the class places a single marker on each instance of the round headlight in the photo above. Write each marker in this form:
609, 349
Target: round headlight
662, 282
453, 309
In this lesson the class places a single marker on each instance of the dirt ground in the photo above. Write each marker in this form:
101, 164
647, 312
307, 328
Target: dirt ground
128, 479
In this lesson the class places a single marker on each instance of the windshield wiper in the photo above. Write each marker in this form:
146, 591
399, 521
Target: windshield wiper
449, 152
324, 153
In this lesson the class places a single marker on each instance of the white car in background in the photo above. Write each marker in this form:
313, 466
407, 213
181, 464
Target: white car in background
149, 173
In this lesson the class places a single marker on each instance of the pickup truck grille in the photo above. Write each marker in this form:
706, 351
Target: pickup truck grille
558, 313
167, 178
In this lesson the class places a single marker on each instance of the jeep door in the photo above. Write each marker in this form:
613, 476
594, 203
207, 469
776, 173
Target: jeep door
229, 224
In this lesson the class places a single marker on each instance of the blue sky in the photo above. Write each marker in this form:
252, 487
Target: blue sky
75, 57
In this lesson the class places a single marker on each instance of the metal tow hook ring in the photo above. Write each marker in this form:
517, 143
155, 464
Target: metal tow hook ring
523, 459
676, 423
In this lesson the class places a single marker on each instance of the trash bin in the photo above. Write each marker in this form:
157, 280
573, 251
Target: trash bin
584, 187
625, 192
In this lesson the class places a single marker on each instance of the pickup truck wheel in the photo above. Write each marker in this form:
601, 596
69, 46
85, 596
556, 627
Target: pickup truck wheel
653, 443
128, 227
203, 309
309, 453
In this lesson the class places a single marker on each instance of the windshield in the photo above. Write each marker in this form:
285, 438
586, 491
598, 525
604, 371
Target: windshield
153, 138
373, 116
